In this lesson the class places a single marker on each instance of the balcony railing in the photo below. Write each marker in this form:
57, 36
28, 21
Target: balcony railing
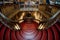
24, 7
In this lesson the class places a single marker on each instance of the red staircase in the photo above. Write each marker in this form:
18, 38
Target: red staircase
53, 33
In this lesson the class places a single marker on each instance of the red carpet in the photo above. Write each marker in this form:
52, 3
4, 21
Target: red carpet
29, 32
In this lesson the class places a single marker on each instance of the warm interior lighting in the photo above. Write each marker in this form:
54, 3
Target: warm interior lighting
37, 16
16, 27
21, 17
41, 26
